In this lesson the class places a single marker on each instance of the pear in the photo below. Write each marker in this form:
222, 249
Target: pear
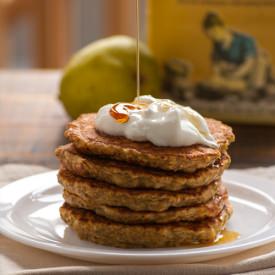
105, 72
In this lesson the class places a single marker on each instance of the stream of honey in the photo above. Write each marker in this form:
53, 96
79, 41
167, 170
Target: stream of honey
137, 48
120, 111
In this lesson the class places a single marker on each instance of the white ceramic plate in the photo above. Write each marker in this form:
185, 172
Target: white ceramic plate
29, 214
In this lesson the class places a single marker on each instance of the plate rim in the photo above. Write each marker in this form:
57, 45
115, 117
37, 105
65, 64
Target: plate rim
69, 250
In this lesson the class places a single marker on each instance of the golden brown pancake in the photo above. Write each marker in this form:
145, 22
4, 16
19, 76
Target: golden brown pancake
132, 176
82, 133
102, 193
209, 209
97, 229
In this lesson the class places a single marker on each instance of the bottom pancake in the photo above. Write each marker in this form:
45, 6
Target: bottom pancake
210, 209
94, 228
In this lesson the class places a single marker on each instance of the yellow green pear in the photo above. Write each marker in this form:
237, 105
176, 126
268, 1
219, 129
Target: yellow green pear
105, 72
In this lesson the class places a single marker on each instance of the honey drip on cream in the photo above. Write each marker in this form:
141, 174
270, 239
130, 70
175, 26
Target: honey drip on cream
120, 111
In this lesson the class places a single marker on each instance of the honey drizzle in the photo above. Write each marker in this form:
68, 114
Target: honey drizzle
120, 111
227, 236
137, 49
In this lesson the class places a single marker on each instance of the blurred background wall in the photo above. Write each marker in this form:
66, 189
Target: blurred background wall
44, 33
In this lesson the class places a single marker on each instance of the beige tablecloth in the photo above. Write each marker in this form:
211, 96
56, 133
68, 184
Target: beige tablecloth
16, 258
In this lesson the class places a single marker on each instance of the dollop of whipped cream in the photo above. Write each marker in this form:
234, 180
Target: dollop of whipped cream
160, 121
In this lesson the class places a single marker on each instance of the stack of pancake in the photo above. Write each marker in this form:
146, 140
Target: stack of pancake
134, 194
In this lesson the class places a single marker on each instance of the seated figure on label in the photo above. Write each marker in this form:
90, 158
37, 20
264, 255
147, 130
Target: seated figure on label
239, 64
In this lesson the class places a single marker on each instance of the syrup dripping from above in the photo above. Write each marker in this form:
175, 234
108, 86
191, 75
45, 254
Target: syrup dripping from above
120, 111
137, 48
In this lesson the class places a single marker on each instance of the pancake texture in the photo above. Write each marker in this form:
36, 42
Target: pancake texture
122, 193
102, 193
210, 209
130, 176
92, 227
82, 133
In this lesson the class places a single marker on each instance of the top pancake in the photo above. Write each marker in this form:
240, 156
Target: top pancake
82, 133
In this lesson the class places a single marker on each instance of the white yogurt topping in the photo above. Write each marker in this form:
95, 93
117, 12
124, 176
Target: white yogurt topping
160, 121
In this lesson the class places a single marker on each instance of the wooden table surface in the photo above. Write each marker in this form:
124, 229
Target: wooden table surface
32, 122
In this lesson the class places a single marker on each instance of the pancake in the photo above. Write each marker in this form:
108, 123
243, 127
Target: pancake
129, 176
102, 193
82, 133
94, 228
123, 215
